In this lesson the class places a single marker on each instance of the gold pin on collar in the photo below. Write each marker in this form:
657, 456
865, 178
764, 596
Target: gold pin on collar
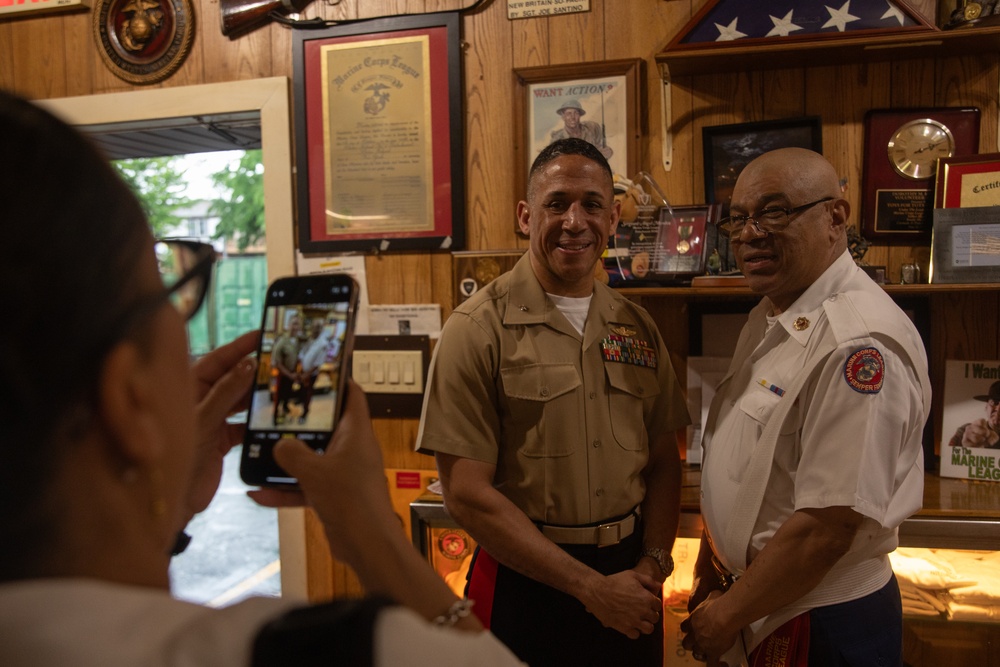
801, 323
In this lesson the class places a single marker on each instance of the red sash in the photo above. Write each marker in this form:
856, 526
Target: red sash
788, 646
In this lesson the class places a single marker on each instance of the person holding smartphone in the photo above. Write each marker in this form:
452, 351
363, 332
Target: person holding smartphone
112, 441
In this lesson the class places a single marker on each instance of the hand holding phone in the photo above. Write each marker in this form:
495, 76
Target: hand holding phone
307, 335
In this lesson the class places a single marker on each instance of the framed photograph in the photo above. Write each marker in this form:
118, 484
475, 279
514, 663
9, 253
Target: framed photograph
379, 128
600, 102
902, 149
968, 181
728, 149
964, 245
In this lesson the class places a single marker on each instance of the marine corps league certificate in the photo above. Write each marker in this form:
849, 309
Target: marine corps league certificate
377, 144
970, 441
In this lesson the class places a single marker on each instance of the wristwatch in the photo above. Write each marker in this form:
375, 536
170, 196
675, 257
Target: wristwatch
662, 558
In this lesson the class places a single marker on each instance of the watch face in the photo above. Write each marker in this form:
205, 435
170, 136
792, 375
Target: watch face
916, 146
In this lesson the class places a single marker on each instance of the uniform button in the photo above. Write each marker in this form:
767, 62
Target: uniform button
544, 391
600, 492
833, 298
597, 443
593, 394
640, 390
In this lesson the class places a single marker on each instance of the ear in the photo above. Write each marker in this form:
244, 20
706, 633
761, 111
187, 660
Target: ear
616, 214
523, 217
841, 213
126, 403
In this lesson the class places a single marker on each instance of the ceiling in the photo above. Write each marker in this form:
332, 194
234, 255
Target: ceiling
178, 136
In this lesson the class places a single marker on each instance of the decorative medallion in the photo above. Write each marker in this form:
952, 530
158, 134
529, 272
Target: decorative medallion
454, 544
487, 269
143, 41
801, 323
865, 370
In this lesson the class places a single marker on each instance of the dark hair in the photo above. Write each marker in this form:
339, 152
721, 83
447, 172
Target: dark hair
568, 146
73, 235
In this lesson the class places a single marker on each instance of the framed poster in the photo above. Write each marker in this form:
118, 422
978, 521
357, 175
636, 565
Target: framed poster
970, 426
599, 102
378, 130
902, 148
968, 181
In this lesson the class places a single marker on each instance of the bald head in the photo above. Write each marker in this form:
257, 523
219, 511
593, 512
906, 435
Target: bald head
783, 262
800, 169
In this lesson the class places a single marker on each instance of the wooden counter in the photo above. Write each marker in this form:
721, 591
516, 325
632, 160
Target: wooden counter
957, 513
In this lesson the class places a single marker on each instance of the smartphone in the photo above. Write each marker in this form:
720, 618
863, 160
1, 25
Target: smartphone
307, 335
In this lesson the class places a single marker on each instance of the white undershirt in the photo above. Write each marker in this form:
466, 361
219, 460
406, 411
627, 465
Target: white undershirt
574, 309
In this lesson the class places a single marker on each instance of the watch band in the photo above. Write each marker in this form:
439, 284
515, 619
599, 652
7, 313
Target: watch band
662, 558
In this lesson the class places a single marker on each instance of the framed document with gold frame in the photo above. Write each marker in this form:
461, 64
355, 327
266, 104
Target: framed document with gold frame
902, 147
378, 125
968, 181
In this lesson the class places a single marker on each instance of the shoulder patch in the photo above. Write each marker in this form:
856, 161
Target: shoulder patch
864, 370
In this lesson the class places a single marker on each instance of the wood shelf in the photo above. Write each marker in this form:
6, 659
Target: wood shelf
839, 50
922, 289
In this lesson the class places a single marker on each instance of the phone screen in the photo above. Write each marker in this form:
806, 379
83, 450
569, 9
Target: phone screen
306, 339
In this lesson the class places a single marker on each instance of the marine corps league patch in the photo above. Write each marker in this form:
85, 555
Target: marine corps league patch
865, 370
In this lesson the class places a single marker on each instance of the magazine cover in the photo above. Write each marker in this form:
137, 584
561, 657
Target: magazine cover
970, 428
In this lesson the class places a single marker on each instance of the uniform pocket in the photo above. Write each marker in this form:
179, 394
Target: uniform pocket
758, 406
629, 387
545, 410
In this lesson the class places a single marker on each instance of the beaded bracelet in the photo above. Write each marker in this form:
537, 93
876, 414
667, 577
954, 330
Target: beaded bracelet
457, 611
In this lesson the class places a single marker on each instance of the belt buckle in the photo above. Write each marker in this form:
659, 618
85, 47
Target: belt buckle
609, 534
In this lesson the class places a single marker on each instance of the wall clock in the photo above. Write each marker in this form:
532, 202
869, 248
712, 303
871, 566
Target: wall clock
902, 147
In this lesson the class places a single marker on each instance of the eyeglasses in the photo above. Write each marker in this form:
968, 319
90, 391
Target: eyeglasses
186, 270
768, 221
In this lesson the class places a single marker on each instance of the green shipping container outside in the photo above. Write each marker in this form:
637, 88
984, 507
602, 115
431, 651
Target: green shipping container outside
234, 305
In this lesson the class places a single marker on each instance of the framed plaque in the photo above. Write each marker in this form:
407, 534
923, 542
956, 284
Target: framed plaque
902, 148
379, 130
965, 247
968, 181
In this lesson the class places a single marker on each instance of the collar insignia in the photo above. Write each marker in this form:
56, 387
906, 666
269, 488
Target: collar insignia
801, 323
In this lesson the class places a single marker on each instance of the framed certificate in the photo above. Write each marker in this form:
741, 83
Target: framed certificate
968, 181
379, 132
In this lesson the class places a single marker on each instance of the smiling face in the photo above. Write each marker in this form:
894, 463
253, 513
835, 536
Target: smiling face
783, 264
569, 216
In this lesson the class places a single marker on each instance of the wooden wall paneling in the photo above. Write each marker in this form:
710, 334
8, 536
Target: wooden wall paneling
782, 94
7, 55
441, 284
684, 183
577, 38
529, 40
398, 438
320, 570
489, 161
248, 57
39, 57
78, 40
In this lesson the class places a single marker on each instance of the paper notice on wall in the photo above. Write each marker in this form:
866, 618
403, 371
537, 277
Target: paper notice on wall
422, 319
352, 265
526, 9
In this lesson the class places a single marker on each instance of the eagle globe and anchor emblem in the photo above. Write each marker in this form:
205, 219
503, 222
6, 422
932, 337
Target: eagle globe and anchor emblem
376, 102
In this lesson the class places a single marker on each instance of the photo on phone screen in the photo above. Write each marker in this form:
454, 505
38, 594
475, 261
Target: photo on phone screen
306, 337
